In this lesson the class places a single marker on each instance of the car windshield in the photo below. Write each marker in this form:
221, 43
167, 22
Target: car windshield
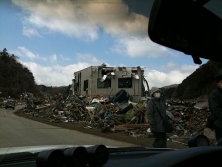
81, 72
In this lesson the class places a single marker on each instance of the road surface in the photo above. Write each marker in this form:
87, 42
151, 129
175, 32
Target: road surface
17, 131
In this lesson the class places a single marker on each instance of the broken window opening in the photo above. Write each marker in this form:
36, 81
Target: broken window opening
125, 82
85, 86
105, 84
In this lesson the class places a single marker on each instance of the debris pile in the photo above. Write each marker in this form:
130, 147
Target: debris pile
189, 119
119, 114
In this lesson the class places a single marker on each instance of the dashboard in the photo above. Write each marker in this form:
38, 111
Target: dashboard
101, 155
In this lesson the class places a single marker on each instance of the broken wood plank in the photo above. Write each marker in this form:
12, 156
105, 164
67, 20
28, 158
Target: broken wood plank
39, 108
117, 121
130, 126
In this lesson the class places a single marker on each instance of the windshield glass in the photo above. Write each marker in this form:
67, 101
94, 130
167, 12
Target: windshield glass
81, 71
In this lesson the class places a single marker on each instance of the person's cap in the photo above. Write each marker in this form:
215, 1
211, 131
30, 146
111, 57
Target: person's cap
218, 77
153, 90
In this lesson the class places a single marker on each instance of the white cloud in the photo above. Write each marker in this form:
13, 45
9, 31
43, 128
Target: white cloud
160, 79
54, 75
188, 68
24, 52
80, 19
63, 58
57, 75
171, 65
172, 73
139, 47
53, 58
90, 59
185, 68
27, 53
30, 32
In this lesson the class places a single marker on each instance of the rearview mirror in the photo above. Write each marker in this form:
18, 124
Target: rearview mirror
187, 26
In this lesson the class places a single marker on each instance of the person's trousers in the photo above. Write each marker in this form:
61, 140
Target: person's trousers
218, 133
160, 140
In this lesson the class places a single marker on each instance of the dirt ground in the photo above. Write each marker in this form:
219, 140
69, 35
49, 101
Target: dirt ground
124, 137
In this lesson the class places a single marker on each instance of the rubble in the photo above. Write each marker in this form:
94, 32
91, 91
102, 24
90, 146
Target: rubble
120, 116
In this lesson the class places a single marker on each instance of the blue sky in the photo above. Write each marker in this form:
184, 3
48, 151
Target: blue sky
55, 38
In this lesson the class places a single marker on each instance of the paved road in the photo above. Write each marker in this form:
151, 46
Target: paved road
17, 131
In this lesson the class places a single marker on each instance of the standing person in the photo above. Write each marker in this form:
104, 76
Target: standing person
154, 118
215, 106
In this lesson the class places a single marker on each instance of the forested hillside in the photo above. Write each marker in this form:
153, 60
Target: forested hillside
200, 83
14, 77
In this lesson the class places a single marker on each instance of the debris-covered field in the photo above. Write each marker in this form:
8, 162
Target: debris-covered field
118, 117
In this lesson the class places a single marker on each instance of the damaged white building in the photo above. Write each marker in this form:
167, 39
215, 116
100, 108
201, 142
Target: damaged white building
108, 81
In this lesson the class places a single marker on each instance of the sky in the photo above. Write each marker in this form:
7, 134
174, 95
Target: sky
55, 38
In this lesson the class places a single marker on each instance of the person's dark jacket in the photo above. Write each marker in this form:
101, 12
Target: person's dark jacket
154, 119
215, 106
